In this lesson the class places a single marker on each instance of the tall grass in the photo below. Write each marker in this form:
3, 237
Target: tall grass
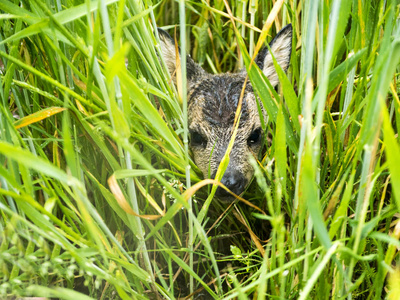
99, 196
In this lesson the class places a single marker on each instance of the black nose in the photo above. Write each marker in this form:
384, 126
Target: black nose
234, 181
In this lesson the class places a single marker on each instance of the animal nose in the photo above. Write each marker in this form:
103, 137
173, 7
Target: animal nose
234, 181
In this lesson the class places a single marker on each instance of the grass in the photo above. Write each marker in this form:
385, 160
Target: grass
99, 196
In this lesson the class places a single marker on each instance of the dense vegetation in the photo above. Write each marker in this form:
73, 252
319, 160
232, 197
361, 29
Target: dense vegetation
100, 199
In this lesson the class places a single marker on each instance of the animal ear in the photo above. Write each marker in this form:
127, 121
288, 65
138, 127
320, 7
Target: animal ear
168, 50
281, 47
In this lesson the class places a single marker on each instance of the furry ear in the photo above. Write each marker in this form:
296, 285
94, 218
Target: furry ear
281, 47
168, 50
193, 70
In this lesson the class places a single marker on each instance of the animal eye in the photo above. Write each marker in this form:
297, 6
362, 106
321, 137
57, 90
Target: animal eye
255, 137
197, 139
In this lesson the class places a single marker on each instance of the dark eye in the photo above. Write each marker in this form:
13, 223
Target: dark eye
255, 137
197, 139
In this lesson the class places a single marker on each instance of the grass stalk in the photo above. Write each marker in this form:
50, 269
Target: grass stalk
100, 198
182, 27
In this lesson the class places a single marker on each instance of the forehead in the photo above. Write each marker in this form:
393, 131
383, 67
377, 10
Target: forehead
216, 98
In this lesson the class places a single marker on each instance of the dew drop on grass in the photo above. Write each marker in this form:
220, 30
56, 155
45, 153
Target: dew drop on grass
97, 284
70, 273
17, 281
32, 257
58, 260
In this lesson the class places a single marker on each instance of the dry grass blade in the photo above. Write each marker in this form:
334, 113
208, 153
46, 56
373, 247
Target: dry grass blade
38, 116
119, 196
99, 195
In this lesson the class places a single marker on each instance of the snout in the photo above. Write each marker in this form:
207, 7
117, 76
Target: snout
235, 182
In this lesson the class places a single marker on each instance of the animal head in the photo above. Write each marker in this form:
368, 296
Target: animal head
212, 104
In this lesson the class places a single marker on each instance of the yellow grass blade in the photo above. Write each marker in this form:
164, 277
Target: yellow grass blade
38, 116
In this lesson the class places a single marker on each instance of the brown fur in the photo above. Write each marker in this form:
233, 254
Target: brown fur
212, 103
